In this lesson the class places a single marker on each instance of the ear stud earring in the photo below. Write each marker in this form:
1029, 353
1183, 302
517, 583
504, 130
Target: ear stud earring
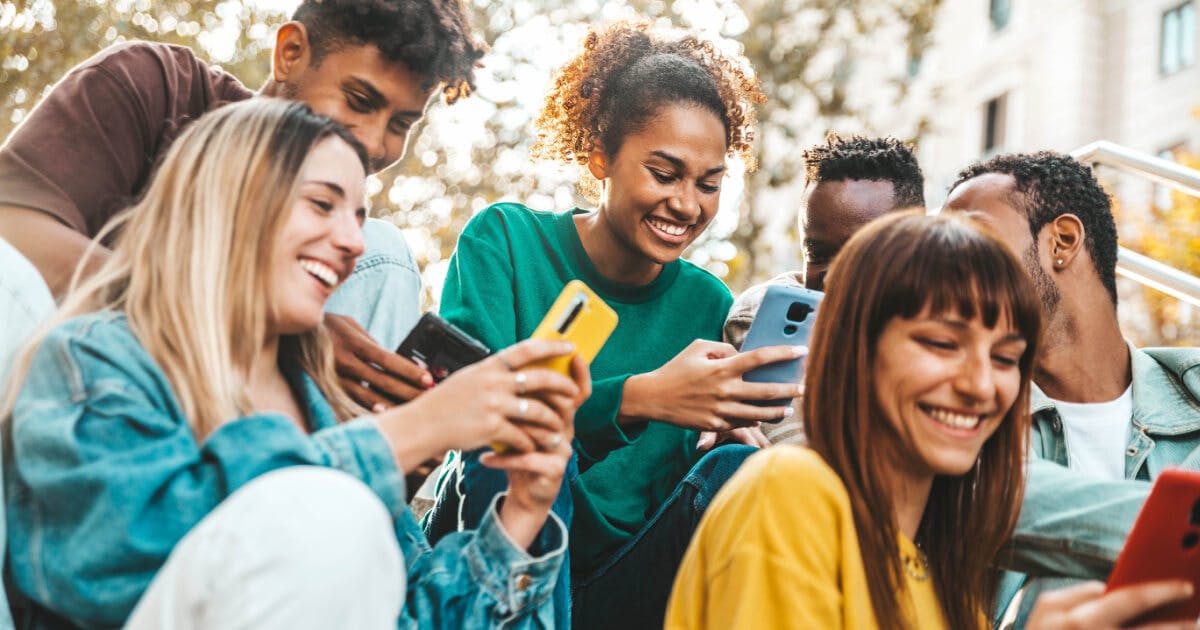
1059, 262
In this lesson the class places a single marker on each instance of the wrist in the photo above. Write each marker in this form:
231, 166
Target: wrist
411, 440
637, 403
521, 523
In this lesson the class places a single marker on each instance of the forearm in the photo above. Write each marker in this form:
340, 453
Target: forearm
638, 403
52, 247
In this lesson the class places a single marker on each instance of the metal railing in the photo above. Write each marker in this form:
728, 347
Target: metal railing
1131, 264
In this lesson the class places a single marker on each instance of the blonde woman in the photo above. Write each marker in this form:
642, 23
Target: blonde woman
180, 454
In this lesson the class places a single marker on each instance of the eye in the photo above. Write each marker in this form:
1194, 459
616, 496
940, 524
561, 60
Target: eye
1006, 360
399, 127
358, 102
708, 188
361, 215
325, 206
663, 178
937, 344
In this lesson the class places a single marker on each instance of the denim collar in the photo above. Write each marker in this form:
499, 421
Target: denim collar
1161, 403
318, 414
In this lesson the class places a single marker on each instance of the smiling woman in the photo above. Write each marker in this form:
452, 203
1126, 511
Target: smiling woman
651, 116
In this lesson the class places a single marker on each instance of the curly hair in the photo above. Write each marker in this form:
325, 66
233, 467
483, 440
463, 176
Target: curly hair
433, 38
1049, 185
622, 77
859, 157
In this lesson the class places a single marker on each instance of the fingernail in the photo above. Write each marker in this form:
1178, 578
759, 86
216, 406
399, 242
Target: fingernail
1187, 589
427, 381
799, 390
788, 411
799, 351
378, 408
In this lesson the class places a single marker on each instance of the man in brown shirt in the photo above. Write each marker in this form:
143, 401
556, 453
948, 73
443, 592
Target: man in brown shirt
90, 147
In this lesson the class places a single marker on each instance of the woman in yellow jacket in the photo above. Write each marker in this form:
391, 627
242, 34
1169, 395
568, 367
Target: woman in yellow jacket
916, 420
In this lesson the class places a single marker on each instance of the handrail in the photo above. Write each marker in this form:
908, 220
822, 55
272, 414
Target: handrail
1131, 264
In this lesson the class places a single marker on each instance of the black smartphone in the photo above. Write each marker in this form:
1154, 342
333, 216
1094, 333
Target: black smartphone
440, 347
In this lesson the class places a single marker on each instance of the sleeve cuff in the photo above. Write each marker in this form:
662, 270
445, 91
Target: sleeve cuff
515, 577
358, 448
597, 432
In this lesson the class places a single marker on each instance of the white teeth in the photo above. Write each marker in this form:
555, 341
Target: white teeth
320, 271
669, 228
956, 420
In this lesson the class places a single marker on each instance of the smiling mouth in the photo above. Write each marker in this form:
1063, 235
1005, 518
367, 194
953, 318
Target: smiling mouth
952, 419
671, 231
319, 270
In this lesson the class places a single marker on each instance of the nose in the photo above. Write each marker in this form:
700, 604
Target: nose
685, 203
976, 381
373, 137
348, 235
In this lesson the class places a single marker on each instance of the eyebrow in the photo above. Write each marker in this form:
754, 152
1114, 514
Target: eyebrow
377, 99
678, 163
963, 325
334, 188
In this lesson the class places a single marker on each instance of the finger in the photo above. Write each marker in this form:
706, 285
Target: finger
743, 414
746, 361
582, 375
545, 439
1125, 604
543, 381
400, 366
512, 437
534, 413
531, 350
362, 395
760, 438
707, 440
565, 408
742, 390
540, 464
712, 349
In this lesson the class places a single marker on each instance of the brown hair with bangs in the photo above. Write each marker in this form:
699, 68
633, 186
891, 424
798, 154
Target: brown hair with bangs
898, 266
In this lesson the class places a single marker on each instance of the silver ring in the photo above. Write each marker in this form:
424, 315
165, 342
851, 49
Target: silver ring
555, 440
522, 407
521, 379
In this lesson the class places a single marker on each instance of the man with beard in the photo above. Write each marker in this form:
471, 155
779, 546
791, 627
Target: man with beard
1107, 417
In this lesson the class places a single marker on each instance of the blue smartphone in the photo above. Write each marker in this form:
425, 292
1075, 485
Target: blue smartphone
785, 318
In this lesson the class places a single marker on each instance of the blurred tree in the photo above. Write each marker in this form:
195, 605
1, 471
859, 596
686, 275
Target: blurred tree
1171, 235
807, 53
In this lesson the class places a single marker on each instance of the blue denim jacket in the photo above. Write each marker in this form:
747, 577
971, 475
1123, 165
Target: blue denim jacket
1074, 525
384, 293
104, 477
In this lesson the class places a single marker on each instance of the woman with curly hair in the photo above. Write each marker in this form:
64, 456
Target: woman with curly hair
651, 117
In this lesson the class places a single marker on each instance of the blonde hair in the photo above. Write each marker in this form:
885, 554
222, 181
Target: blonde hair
191, 267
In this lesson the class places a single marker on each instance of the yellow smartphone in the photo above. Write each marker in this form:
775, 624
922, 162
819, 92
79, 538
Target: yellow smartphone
578, 316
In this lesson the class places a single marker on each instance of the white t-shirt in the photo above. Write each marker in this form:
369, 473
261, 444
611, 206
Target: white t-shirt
1097, 434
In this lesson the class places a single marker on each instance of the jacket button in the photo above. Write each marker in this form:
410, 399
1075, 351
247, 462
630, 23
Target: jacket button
523, 582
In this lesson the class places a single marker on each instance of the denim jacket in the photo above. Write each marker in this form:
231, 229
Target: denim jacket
1074, 525
384, 293
104, 477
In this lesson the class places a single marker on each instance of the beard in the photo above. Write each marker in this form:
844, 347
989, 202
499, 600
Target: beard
1047, 291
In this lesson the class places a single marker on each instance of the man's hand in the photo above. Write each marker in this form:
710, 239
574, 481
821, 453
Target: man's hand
750, 436
371, 374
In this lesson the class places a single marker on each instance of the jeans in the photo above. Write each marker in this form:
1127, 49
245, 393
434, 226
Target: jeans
384, 293
301, 547
631, 590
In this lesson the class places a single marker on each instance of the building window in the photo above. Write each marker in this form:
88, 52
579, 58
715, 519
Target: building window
999, 11
1178, 39
994, 115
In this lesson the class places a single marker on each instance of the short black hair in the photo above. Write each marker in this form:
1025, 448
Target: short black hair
859, 157
433, 38
1049, 185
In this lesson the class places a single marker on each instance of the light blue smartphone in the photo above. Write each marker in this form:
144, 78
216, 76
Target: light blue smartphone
785, 318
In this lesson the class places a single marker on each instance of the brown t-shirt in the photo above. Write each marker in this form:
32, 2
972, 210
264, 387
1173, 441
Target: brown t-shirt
89, 148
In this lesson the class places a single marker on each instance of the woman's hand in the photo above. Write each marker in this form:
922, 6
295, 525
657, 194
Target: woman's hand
1088, 607
702, 388
490, 402
535, 478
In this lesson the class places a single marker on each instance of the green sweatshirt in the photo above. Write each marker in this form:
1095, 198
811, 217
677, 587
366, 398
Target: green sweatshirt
510, 265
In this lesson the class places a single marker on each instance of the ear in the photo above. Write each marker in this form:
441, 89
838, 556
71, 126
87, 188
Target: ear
598, 164
292, 54
1064, 240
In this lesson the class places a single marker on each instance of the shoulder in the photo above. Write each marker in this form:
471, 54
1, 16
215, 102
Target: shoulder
384, 240
141, 63
80, 352
772, 479
1183, 364
703, 283
508, 220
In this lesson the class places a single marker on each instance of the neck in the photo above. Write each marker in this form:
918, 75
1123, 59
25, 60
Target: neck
1084, 358
910, 494
614, 259
271, 88
265, 368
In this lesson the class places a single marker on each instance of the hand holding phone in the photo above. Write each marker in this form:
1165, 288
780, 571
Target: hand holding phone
785, 317
1165, 544
440, 347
